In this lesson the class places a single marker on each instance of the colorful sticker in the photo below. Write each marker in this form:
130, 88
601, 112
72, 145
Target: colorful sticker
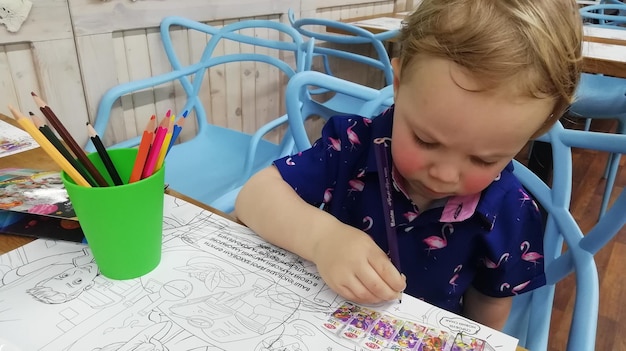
433, 340
361, 321
408, 337
382, 332
467, 343
340, 317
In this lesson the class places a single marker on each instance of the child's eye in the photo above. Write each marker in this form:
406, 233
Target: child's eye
482, 163
424, 144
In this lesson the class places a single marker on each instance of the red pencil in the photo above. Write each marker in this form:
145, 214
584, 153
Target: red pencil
144, 148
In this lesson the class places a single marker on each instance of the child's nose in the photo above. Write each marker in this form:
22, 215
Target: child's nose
445, 172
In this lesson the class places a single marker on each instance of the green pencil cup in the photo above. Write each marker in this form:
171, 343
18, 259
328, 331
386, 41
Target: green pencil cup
123, 224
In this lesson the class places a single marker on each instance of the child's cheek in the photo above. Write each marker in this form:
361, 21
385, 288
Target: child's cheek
477, 182
408, 164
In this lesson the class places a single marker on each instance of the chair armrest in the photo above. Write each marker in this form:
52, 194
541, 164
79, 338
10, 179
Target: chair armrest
254, 141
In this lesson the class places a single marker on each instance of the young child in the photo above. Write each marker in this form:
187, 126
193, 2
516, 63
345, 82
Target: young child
475, 80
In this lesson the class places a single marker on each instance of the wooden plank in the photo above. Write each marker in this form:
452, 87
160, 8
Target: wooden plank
263, 85
125, 110
92, 17
59, 78
159, 64
233, 85
47, 20
138, 62
197, 43
218, 87
248, 88
99, 74
24, 76
604, 35
8, 96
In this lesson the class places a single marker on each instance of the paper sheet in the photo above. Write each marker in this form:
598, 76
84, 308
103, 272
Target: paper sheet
218, 287
14, 140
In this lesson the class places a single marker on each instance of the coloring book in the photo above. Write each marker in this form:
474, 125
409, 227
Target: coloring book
35, 192
218, 286
14, 140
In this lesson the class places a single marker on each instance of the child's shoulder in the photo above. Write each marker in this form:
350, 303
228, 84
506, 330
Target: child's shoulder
507, 197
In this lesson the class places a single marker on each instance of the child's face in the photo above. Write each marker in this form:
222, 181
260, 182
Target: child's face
450, 140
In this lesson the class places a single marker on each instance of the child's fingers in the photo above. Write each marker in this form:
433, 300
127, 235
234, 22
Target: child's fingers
389, 274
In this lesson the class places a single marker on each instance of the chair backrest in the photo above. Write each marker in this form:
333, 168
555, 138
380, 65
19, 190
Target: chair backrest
610, 15
343, 34
301, 105
530, 317
189, 77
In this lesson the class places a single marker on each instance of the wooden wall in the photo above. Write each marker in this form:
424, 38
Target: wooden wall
71, 51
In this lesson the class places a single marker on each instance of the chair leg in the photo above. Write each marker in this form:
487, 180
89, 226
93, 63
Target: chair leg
612, 168
587, 124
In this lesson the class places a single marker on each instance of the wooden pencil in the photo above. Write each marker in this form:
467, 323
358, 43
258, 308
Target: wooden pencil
178, 127
166, 143
47, 146
49, 134
104, 155
153, 155
142, 152
69, 140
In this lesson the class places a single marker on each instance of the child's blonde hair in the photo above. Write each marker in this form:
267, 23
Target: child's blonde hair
534, 43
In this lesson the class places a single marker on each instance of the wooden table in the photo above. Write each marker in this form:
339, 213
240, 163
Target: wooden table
604, 49
38, 159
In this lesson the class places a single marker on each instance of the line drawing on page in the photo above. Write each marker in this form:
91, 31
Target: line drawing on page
218, 287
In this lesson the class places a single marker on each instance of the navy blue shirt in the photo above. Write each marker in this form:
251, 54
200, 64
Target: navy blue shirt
492, 240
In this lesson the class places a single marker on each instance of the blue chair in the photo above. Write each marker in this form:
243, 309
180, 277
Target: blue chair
604, 97
599, 96
609, 14
530, 317
333, 40
212, 166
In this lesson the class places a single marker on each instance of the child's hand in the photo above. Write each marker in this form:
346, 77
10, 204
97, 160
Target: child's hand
355, 267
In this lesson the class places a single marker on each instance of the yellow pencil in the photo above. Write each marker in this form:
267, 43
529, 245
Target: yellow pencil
47, 146
166, 143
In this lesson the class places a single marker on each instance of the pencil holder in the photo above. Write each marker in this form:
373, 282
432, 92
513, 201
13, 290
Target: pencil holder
122, 224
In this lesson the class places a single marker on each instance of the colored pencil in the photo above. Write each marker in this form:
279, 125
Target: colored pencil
178, 127
153, 155
166, 143
67, 137
384, 181
47, 146
49, 134
104, 155
142, 152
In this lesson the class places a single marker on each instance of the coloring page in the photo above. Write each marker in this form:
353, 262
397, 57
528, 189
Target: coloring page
218, 287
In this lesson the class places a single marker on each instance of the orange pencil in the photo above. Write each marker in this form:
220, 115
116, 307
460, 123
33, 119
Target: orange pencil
142, 153
47, 146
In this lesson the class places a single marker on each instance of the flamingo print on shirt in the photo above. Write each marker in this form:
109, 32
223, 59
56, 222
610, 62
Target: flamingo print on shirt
328, 195
529, 256
516, 289
352, 136
355, 185
334, 143
490, 264
435, 242
452, 281
368, 221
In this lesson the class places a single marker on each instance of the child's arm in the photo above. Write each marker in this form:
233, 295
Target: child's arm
490, 311
347, 259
